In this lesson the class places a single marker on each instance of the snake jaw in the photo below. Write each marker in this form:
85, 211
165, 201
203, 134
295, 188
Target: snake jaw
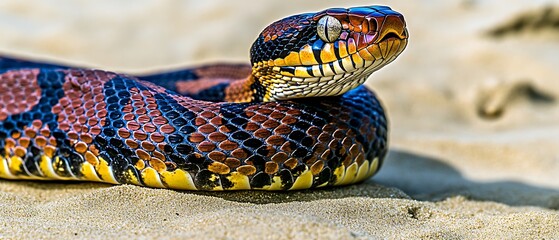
303, 60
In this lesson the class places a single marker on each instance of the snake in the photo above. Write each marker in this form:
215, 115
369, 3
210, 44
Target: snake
296, 117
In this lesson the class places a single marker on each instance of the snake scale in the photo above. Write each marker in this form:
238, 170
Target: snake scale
296, 118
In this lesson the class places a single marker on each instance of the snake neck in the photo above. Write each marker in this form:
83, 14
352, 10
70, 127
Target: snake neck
249, 89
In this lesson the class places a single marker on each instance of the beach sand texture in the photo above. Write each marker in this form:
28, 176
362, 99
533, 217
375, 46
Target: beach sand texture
473, 105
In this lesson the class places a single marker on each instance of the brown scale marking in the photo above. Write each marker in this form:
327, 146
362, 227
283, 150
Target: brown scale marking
86, 138
144, 119
141, 111
326, 154
207, 128
270, 123
91, 158
279, 157
148, 146
152, 106
37, 124
224, 129
139, 104
347, 142
239, 153
282, 129
16, 134
73, 135
246, 170
262, 133
89, 113
354, 150
129, 117
159, 155
286, 147
271, 151
76, 103
277, 115
227, 145
249, 113
143, 154
10, 143
102, 122
324, 137
275, 140
158, 165
217, 137
219, 168
52, 141
317, 167
199, 121
271, 168
149, 127
168, 129
154, 113
157, 137
206, 146
347, 161
49, 151
101, 106
40, 141
80, 147
64, 102
232, 162
294, 112
344, 117
30, 132
95, 130
150, 100
64, 126
82, 119
313, 131
171, 166
133, 125
137, 97
333, 144
68, 111
127, 109
88, 96
288, 120
264, 111
24, 142
71, 118
196, 137
311, 160
250, 126
207, 114
123, 133
258, 118
20, 151
360, 159
102, 113
339, 134
131, 143
140, 135
329, 128
291, 163
78, 127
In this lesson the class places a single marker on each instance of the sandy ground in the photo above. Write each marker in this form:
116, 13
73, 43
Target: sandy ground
473, 104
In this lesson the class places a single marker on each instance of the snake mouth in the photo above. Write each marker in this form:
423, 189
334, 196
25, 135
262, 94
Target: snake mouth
393, 36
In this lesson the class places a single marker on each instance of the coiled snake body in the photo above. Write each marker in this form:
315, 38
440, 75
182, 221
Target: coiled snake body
296, 118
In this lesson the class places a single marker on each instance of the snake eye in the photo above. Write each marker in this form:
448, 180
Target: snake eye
329, 28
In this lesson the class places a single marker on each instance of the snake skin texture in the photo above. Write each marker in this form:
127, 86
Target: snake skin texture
214, 127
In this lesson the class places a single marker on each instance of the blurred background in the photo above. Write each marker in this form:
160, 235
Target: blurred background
472, 101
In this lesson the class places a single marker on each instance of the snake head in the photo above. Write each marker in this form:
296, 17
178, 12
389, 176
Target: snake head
326, 53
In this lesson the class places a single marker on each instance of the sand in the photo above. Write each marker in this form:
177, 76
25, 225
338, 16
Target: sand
473, 108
